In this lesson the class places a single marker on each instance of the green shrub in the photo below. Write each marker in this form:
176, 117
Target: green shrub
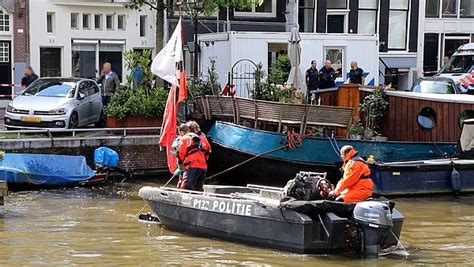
126, 103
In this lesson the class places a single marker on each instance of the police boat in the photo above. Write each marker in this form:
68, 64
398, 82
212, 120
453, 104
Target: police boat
296, 218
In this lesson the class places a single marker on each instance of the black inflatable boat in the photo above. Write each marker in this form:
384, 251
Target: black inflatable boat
263, 216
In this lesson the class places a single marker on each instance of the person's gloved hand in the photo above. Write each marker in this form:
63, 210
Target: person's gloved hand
332, 194
177, 172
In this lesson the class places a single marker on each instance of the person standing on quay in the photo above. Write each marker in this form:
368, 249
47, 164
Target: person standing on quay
29, 77
312, 79
110, 83
327, 76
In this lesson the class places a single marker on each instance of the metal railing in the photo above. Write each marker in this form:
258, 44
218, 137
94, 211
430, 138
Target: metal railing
124, 131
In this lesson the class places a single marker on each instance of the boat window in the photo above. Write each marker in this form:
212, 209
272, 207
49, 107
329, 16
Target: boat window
459, 64
465, 115
427, 118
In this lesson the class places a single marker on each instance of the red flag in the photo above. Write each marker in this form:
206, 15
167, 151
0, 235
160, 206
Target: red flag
169, 127
183, 92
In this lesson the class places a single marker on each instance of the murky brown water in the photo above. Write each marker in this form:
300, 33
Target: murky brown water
98, 226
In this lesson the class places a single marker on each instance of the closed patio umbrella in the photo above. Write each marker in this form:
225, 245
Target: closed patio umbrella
295, 79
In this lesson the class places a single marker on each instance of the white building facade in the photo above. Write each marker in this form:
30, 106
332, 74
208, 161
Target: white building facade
74, 38
448, 24
6, 46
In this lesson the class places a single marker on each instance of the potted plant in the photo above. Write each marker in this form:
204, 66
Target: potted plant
138, 103
357, 131
373, 107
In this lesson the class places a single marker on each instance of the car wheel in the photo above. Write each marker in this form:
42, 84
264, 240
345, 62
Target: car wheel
73, 121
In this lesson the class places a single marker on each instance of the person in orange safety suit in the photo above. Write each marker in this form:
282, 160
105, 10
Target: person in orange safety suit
206, 146
192, 166
355, 185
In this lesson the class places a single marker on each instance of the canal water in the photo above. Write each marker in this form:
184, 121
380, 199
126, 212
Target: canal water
99, 226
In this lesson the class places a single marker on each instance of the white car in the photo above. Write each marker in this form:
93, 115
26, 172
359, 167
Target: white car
56, 103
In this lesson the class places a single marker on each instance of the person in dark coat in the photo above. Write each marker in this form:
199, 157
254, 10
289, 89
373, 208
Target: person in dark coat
109, 81
356, 75
312, 79
29, 77
327, 76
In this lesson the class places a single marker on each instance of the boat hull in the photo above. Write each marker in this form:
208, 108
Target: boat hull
251, 223
234, 144
422, 177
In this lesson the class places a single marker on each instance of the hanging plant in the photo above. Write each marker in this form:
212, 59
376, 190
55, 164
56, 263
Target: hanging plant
374, 107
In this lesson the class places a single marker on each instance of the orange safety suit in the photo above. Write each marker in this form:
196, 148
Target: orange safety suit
206, 146
190, 152
355, 185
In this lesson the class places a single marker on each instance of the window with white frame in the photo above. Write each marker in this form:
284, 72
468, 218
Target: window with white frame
50, 22
143, 25
398, 25
337, 16
367, 16
336, 56
4, 52
337, 4
449, 8
4, 22
467, 9
98, 21
109, 22
121, 22
432, 8
306, 15
74, 20
266, 9
86, 21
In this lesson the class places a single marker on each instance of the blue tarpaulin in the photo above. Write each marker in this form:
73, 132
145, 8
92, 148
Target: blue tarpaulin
106, 157
43, 169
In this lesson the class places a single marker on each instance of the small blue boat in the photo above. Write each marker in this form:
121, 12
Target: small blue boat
44, 169
423, 177
436, 176
233, 144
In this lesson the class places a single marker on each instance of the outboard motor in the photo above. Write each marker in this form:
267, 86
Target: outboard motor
375, 219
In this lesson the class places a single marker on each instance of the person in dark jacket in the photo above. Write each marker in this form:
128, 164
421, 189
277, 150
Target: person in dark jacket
356, 75
312, 79
327, 76
29, 77
109, 81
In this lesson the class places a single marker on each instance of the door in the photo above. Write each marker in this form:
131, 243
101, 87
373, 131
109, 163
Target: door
84, 106
50, 62
112, 54
96, 102
5, 69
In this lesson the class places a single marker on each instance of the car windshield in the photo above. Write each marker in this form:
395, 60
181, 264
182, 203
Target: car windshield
51, 89
434, 87
459, 64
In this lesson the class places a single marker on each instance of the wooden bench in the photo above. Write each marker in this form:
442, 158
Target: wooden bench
245, 110
329, 116
255, 111
221, 107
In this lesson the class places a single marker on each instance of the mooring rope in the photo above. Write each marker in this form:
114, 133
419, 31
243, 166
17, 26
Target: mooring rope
293, 141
